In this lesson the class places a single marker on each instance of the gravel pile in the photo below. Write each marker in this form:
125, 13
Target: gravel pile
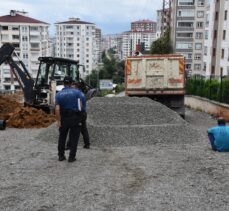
126, 121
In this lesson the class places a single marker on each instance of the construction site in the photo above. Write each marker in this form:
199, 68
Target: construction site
143, 156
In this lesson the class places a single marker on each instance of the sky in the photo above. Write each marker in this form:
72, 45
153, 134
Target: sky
111, 16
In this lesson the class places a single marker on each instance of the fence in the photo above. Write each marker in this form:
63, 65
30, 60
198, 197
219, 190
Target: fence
211, 87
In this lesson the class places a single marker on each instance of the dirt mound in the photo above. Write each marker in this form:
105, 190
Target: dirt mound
8, 104
26, 117
22, 117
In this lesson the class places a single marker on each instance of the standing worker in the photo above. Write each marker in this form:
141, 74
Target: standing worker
84, 130
219, 136
67, 110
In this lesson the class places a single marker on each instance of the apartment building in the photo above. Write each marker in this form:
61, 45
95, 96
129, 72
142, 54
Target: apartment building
76, 39
187, 32
30, 38
144, 25
140, 38
216, 46
113, 41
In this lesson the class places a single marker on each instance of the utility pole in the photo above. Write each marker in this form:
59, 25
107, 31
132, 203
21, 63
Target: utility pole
165, 15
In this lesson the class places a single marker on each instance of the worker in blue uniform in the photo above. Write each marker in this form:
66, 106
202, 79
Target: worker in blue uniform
83, 130
219, 136
68, 115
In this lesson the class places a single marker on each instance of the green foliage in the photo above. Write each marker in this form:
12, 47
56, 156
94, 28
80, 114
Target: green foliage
162, 45
119, 88
112, 69
210, 89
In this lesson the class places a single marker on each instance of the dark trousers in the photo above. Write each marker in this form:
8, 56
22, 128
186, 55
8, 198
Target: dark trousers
71, 125
84, 130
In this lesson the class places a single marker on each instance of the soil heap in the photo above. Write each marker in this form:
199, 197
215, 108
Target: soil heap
22, 117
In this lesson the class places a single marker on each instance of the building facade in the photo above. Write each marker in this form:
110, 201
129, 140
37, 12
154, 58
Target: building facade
30, 38
187, 32
113, 41
76, 39
139, 39
217, 38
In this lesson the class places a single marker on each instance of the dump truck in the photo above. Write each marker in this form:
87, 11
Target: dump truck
40, 92
159, 77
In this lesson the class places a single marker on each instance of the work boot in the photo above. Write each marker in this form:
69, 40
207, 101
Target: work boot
61, 158
70, 160
86, 146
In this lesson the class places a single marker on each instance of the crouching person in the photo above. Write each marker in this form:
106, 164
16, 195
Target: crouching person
219, 136
68, 115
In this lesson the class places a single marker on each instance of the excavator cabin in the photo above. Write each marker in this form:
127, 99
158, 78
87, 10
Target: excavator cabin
40, 92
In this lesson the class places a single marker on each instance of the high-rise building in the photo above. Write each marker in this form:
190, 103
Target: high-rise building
30, 38
216, 46
139, 39
113, 41
187, 32
76, 39
144, 26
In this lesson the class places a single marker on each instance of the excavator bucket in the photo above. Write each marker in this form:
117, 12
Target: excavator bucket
5, 52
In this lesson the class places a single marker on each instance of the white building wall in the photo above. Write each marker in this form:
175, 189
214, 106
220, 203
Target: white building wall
31, 41
78, 42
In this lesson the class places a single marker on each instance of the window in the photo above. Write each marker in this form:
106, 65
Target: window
199, 35
200, 14
185, 35
222, 53
33, 28
205, 66
186, 13
197, 67
225, 15
206, 35
24, 38
15, 28
4, 28
185, 2
197, 56
185, 24
198, 46
205, 50
200, 3
215, 34
15, 37
180, 45
213, 52
199, 25
224, 34
216, 15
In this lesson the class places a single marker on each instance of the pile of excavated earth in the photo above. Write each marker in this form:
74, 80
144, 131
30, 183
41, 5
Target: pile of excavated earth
18, 116
125, 121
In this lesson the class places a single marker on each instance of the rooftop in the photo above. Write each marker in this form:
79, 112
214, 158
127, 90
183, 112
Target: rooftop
15, 17
74, 21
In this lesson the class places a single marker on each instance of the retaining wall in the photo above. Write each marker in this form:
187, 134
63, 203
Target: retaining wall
208, 106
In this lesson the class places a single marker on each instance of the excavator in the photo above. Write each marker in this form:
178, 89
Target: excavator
40, 92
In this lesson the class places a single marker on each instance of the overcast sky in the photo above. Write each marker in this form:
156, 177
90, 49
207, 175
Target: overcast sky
111, 16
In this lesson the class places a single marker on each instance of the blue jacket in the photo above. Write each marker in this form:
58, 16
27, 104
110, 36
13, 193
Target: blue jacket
69, 98
221, 137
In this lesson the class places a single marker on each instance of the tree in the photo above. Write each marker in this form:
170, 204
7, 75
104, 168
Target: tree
162, 45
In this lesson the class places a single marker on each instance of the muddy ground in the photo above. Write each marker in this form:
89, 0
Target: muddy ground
157, 177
